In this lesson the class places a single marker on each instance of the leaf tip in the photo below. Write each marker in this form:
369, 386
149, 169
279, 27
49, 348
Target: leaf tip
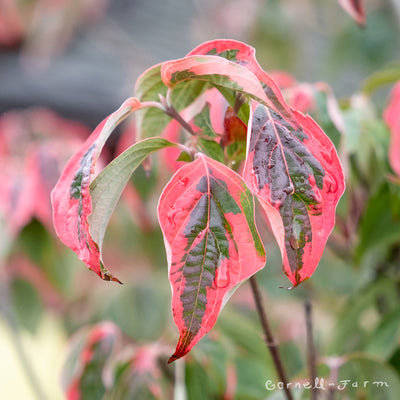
173, 358
185, 343
287, 288
106, 275
110, 278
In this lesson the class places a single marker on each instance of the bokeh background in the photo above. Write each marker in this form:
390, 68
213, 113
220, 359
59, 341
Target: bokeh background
66, 65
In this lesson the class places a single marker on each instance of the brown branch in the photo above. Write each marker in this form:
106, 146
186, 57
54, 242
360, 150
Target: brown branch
311, 354
269, 338
171, 111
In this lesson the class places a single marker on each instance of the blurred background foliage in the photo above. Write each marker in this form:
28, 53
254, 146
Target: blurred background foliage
63, 330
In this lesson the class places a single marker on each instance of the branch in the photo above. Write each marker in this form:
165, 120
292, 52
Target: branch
169, 109
269, 338
311, 354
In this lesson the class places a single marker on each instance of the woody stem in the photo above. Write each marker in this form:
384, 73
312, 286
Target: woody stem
269, 338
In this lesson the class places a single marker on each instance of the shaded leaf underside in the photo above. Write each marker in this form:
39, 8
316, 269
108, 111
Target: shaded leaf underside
71, 197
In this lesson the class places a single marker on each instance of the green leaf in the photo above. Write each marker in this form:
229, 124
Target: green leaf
203, 121
212, 149
349, 333
384, 340
364, 377
149, 87
106, 189
184, 157
27, 305
380, 226
387, 76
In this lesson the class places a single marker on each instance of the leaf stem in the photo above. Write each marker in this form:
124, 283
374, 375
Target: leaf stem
269, 338
169, 109
311, 353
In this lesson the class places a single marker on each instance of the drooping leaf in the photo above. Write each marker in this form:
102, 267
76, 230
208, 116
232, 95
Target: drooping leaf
356, 10
244, 55
218, 72
106, 189
71, 196
297, 176
392, 119
206, 214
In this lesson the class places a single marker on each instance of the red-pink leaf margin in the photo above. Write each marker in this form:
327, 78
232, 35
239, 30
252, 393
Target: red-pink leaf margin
245, 55
322, 222
356, 10
217, 70
71, 196
392, 118
206, 201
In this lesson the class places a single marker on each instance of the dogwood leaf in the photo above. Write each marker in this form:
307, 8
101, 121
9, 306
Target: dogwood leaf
245, 55
297, 176
215, 70
71, 198
206, 214
107, 188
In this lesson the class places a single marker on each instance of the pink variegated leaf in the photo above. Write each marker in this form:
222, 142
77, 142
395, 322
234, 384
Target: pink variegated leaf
71, 198
245, 55
392, 119
356, 10
90, 353
206, 214
297, 176
216, 71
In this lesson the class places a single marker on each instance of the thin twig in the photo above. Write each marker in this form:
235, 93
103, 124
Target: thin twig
269, 338
171, 111
311, 353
